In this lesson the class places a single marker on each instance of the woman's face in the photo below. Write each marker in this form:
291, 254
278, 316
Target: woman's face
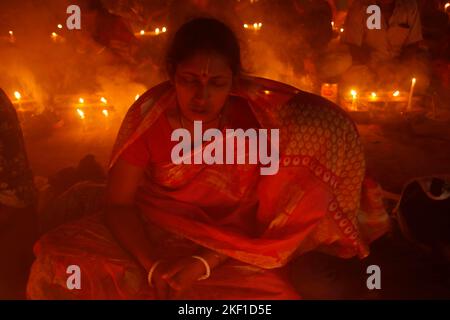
203, 83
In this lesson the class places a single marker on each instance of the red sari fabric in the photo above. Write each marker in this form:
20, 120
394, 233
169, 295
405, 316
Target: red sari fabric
260, 222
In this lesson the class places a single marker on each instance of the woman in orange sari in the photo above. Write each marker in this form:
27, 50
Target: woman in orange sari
213, 231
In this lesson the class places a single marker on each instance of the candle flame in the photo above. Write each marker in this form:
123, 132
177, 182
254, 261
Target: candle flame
81, 100
342, 30
260, 25
157, 30
102, 99
17, 95
60, 26
332, 23
373, 94
164, 29
255, 25
142, 32
105, 112
447, 5
137, 97
396, 93
414, 80
81, 113
245, 26
10, 32
54, 34
266, 91
353, 93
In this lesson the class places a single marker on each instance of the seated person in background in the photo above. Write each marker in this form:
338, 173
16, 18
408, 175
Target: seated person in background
391, 55
17, 202
325, 59
110, 32
218, 231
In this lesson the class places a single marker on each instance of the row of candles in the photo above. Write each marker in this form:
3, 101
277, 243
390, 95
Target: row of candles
155, 32
373, 96
255, 26
81, 103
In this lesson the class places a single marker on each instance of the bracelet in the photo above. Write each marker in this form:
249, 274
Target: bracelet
208, 269
150, 273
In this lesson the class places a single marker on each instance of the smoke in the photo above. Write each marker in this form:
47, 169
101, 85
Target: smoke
46, 68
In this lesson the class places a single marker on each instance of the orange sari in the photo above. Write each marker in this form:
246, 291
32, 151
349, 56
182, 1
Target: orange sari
260, 222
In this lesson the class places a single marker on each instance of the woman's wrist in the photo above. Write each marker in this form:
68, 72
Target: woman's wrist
213, 258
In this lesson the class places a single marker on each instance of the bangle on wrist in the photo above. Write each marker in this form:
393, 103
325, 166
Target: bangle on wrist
208, 269
150, 273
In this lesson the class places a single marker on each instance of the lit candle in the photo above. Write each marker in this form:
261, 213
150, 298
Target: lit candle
54, 36
354, 95
164, 29
81, 100
17, 95
81, 113
60, 26
157, 31
105, 112
411, 94
342, 30
142, 32
396, 93
11, 36
102, 99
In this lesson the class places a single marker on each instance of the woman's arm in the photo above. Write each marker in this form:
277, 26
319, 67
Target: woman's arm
122, 216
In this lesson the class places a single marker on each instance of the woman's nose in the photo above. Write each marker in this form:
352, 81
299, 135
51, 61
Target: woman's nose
201, 93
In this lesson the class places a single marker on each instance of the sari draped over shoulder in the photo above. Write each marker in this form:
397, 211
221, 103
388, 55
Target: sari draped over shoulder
318, 200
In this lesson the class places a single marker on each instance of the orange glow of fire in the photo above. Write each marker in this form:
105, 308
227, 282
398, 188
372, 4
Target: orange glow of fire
447, 5
164, 29
17, 95
142, 32
102, 99
11, 33
60, 26
105, 112
353, 93
81, 100
342, 30
396, 93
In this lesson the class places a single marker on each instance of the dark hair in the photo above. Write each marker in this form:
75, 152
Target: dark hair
203, 35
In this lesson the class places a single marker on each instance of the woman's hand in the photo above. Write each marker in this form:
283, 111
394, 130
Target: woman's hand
181, 274
161, 285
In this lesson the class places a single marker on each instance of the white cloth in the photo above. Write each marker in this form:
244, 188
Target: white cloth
404, 28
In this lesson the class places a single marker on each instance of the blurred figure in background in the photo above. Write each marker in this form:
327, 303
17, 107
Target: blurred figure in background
17, 204
391, 55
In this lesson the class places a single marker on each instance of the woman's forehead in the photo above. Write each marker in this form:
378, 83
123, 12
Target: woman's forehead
211, 64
